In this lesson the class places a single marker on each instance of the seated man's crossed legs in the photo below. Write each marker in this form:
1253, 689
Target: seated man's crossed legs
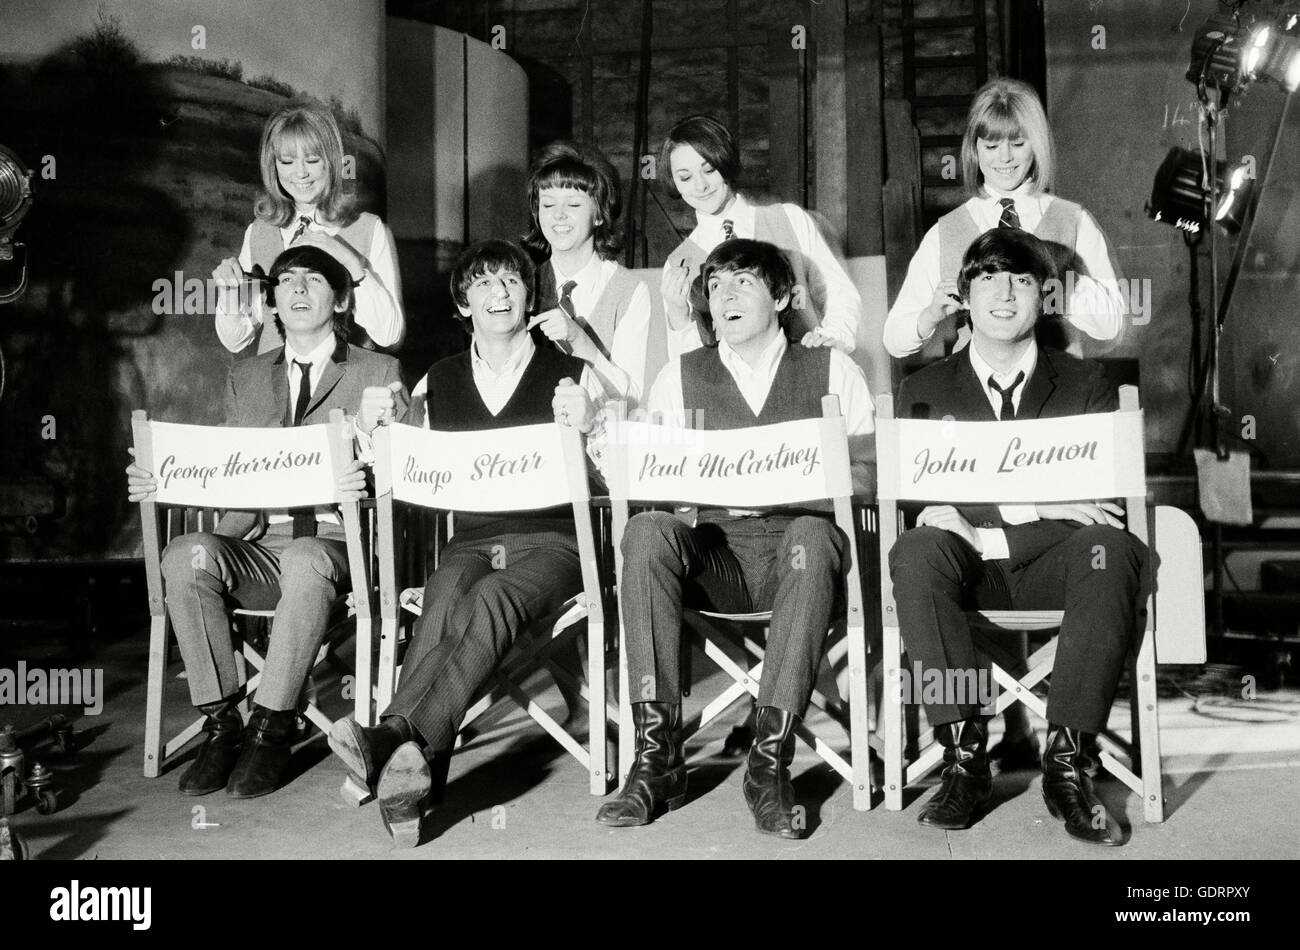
205, 577
792, 565
482, 596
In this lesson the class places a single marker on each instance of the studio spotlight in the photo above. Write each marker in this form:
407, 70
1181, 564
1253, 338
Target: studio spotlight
1217, 55
1271, 55
15, 198
1178, 196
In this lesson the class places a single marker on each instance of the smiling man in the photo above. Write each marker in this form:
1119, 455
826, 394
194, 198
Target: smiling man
502, 571
789, 562
1031, 557
292, 561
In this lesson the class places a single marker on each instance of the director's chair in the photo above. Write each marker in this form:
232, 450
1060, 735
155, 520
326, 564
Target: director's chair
413, 523
1176, 598
629, 446
193, 509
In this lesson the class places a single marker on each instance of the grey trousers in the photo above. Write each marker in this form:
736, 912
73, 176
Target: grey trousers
484, 593
793, 566
206, 575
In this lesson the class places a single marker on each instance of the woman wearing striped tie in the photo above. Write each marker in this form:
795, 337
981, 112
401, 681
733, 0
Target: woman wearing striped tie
589, 305
304, 202
1007, 163
702, 163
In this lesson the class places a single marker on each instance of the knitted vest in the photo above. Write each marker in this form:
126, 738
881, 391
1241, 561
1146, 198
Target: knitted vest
453, 404
265, 245
713, 400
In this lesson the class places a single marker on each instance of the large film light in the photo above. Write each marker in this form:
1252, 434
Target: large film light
1269, 54
1217, 54
1179, 193
15, 198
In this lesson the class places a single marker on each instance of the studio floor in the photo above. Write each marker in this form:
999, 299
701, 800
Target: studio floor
1231, 770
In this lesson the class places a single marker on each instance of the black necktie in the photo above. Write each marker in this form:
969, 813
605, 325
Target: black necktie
1009, 219
566, 304
728, 230
304, 392
302, 226
1008, 403
304, 519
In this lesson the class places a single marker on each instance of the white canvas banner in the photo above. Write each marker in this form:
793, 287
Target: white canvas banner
777, 464
219, 467
1073, 458
518, 468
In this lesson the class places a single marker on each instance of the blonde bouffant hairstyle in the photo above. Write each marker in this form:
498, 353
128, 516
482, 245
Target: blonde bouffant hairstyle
312, 126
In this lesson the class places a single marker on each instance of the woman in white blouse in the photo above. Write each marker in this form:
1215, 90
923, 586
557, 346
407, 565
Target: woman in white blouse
304, 202
703, 164
1008, 162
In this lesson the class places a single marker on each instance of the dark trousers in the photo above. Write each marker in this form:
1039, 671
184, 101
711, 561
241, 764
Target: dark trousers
793, 566
484, 594
1096, 575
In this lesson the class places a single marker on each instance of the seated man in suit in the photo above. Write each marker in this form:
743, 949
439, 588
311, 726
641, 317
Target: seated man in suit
293, 561
501, 572
1031, 557
789, 562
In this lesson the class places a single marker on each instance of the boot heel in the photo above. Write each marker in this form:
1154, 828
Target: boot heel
676, 803
404, 793
405, 833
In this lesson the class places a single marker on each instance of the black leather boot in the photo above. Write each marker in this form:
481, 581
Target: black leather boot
657, 782
767, 787
366, 749
967, 781
268, 744
1067, 789
223, 736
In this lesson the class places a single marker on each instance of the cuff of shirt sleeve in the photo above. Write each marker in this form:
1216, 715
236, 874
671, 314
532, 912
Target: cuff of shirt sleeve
1018, 514
994, 543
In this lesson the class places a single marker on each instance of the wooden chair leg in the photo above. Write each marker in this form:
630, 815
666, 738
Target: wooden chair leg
153, 704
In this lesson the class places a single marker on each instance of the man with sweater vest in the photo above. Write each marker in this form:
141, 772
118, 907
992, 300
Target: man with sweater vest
1031, 557
789, 562
294, 561
473, 606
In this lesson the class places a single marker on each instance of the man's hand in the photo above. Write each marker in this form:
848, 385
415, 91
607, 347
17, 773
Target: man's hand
139, 483
819, 337
950, 519
1102, 512
943, 305
572, 406
352, 483
378, 407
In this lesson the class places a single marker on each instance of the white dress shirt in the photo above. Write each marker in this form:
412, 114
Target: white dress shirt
378, 305
627, 351
994, 540
1096, 306
843, 311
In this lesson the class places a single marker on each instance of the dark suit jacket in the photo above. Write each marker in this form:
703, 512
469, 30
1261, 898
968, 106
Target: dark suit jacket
257, 395
1061, 385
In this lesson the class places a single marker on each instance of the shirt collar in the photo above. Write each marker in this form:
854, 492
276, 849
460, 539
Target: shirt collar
317, 357
517, 358
1027, 190
740, 214
1028, 360
316, 225
767, 359
586, 277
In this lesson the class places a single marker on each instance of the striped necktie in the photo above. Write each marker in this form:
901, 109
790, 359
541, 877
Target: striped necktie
1009, 219
728, 230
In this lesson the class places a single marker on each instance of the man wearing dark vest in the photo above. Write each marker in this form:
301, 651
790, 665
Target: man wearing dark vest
473, 606
295, 562
1032, 557
736, 561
